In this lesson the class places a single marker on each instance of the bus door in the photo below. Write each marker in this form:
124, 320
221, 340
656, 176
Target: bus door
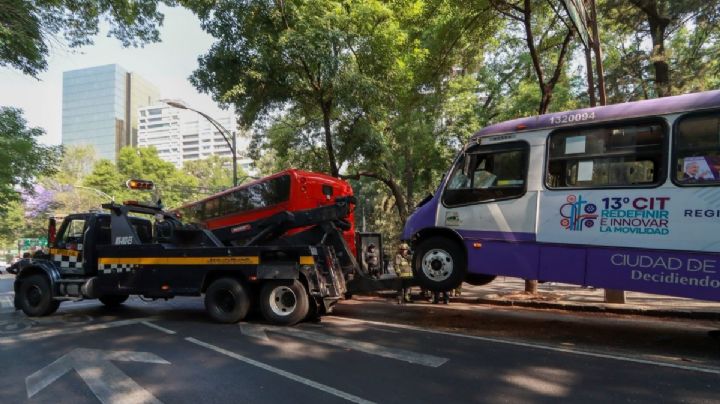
488, 200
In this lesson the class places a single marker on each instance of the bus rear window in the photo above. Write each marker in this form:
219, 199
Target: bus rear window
608, 156
697, 150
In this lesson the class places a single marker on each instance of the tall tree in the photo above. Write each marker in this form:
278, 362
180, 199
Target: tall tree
23, 158
29, 28
548, 41
658, 20
305, 56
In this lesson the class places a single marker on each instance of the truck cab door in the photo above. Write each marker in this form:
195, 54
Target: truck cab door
67, 252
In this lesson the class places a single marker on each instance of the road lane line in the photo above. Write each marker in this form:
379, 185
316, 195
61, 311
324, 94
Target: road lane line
258, 331
157, 327
33, 336
280, 372
714, 371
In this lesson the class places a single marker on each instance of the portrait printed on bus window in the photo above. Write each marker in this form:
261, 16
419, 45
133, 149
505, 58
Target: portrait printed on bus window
698, 169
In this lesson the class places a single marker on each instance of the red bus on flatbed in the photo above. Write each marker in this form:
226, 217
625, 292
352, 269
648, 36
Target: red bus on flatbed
290, 190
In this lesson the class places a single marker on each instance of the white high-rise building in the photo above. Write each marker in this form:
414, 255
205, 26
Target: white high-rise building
181, 135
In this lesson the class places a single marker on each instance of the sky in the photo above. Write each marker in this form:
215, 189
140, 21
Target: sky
167, 64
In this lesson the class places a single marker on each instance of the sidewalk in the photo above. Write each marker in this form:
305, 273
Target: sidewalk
506, 291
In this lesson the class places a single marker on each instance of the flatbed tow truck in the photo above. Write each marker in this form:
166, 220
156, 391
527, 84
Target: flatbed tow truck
112, 255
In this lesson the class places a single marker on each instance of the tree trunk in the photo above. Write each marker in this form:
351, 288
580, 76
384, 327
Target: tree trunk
394, 189
326, 109
409, 179
658, 24
545, 99
659, 58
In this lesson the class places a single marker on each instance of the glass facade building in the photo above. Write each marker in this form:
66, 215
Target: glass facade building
181, 135
99, 108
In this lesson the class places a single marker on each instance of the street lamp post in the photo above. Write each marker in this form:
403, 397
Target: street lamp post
224, 132
97, 191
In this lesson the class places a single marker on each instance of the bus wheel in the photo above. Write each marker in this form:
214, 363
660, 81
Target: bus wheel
36, 297
113, 300
284, 302
439, 264
226, 300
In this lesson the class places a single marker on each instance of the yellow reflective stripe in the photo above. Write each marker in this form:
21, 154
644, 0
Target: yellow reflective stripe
58, 251
249, 260
307, 260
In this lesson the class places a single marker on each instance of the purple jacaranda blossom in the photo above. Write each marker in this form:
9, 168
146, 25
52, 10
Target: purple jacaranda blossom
38, 201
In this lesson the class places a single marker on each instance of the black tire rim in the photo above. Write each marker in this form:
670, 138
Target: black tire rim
225, 300
34, 295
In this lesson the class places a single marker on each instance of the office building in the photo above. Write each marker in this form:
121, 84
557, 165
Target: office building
181, 135
100, 108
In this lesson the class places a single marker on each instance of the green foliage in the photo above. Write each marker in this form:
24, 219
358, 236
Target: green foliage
22, 157
27, 28
12, 224
214, 173
660, 47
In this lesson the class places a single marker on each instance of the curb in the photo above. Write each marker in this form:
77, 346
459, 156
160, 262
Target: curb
588, 308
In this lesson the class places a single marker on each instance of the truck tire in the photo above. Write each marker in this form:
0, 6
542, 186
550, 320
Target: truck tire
439, 264
36, 297
226, 301
284, 302
113, 300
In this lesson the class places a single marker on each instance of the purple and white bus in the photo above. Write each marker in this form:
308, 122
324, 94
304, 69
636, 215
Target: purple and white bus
623, 196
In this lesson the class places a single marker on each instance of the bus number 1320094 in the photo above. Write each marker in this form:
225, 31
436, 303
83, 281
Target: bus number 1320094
570, 118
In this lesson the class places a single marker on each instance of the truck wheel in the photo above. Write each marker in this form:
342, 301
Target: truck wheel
439, 264
36, 297
113, 300
226, 300
284, 302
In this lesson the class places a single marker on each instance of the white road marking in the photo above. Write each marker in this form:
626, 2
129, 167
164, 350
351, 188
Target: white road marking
109, 384
631, 359
33, 336
258, 331
280, 372
157, 327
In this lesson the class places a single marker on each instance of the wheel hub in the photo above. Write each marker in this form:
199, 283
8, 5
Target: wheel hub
283, 301
225, 300
437, 265
34, 295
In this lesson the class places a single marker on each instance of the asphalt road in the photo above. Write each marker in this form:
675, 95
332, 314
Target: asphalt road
370, 350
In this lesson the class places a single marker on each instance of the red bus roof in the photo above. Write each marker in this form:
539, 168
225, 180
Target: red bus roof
293, 172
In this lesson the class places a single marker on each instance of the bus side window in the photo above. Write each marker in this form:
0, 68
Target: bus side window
607, 156
697, 150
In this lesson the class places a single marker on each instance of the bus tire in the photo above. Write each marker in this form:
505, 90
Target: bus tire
439, 264
36, 298
226, 301
113, 300
479, 279
284, 302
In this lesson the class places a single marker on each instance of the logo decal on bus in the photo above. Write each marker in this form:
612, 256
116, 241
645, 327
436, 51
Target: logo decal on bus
636, 215
577, 213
